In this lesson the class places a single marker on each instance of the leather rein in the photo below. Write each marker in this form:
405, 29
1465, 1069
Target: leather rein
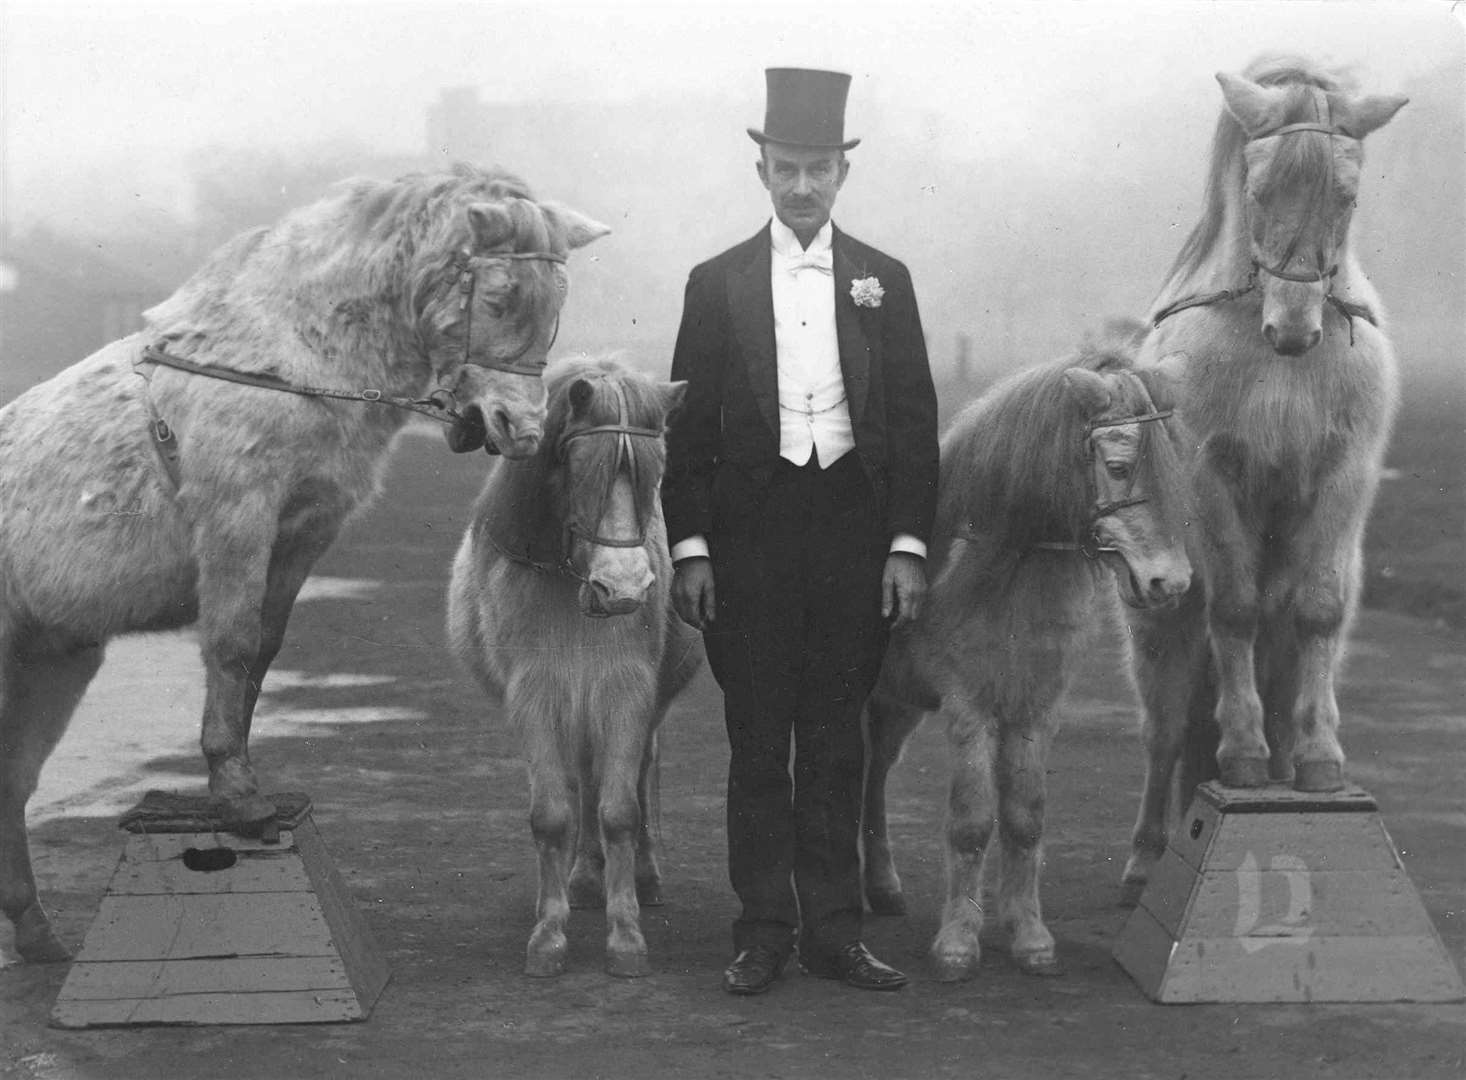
1347, 308
439, 405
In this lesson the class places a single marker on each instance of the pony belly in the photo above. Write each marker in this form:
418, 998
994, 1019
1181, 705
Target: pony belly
91, 538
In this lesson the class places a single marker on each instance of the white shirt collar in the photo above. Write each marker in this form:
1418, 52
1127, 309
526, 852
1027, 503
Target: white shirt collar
786, 243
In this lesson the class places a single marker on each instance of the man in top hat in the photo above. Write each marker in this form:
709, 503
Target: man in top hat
800, 489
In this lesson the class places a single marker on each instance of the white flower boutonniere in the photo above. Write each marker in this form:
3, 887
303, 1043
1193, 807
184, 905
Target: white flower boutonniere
866, 292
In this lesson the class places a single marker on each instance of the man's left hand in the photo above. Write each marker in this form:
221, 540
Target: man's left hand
903, 587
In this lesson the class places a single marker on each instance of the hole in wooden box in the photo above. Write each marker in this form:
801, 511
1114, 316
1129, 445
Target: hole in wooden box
209, 860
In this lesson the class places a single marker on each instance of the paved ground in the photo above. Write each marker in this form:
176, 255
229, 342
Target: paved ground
420, 799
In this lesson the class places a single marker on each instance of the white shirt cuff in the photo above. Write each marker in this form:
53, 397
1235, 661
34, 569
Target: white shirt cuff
695, 546
909, 544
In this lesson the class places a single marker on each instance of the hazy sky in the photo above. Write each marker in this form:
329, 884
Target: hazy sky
131, 84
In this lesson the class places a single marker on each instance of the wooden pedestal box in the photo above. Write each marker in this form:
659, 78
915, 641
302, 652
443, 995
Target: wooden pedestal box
207, 927
1275, 895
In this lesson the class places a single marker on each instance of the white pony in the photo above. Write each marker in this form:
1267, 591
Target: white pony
195, 471
1275, 344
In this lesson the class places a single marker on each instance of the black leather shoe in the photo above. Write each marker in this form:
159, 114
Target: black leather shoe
753, 970
853, 965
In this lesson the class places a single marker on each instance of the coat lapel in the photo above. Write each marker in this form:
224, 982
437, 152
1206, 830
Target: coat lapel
854, 349
751, 307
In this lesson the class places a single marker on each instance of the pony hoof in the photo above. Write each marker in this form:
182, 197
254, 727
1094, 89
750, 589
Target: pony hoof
246, 810
1318, 776
649, 894
628, 965
586, 894
1039, 963
1244, 772
545, 965
952, 969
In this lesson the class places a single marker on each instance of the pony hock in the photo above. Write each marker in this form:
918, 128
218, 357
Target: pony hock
233, 488
1047, 481
577, 531
1291, 412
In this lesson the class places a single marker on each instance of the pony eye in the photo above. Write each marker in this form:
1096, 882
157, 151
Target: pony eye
1119, 470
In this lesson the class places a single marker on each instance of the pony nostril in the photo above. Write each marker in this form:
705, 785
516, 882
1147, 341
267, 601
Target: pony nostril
1270, 332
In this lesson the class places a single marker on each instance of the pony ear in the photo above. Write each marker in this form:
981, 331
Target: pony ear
579, 229
580, 394
1359, 116
1087, 388
673, 395
491, 224
1255, 107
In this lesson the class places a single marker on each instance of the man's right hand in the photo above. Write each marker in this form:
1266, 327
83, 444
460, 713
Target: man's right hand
692, 592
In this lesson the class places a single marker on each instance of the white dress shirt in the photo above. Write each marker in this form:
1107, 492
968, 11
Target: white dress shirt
813, 410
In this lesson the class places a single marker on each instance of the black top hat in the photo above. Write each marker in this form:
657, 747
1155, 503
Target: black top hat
805, 108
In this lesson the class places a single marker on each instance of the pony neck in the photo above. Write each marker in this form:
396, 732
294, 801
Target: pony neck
302, 300
517, 509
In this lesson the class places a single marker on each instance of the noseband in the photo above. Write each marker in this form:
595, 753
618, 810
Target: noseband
1348, 308
467, 267
1091, 547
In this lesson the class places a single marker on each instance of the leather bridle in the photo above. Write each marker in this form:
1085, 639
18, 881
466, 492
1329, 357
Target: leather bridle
467, 266
1091, 547
623, 432
1348, 308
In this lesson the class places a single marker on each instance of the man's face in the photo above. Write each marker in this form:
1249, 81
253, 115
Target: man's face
803, 184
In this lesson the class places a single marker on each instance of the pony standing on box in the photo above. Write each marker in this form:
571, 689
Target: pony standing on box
196, 470
1049, 480
559, 607
1275, 342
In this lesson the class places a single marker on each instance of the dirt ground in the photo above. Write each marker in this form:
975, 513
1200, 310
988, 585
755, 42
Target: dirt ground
421, 800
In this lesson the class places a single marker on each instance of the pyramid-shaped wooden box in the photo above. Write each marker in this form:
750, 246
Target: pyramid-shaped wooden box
203, 926
1275, 895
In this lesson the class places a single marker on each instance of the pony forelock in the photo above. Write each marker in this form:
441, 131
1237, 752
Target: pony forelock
610, 383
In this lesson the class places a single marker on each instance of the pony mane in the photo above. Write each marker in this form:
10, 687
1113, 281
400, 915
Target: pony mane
1298, 157
1016, 462
327, 263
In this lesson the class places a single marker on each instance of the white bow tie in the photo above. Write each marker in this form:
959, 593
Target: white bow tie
823, 261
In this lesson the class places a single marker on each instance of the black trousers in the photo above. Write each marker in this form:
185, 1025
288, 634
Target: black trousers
796, 647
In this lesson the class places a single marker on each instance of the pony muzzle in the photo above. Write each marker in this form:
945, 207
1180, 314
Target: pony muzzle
617, 590
1292, 313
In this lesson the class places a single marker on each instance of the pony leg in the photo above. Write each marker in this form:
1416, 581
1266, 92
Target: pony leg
233, 580
1022, 752
290, 565
1277, 683
1324, 604
888, 724
1230, 561
553, 797
1170, 662
625, 752
649, 825
587, 874
971, 804
40, 688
